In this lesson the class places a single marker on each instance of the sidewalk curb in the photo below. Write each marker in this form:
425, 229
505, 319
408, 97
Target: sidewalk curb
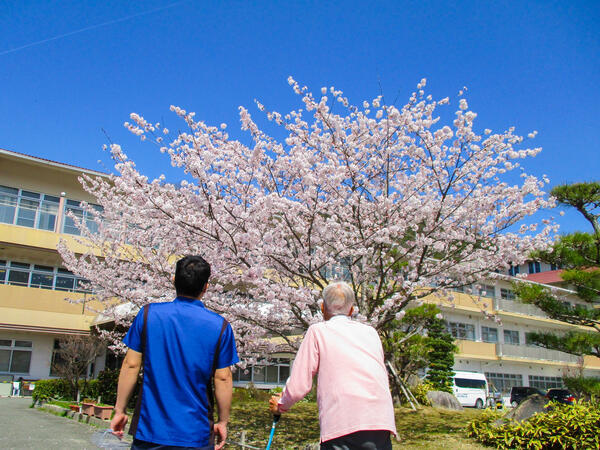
78, 416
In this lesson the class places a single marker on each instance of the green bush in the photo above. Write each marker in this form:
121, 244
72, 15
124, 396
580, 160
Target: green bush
51, 389
420, 392
61, 389
583, 387
560, 427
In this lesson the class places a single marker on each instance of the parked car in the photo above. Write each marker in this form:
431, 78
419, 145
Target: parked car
560, 395
520, 393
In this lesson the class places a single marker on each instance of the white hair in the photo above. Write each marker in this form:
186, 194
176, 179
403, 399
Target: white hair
338, 298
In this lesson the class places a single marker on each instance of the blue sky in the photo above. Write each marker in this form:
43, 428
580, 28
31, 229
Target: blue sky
531, 64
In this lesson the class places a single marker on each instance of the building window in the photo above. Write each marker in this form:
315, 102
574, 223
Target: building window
28, 209
489, 334
487, 290
15, 356
38, 276
514, 270
462, 330
507, 294
503, 382
553, 267
542, 382
83, 216
511, 337
277, 372
534, 267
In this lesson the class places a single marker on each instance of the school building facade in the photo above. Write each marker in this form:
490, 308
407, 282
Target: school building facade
35, 194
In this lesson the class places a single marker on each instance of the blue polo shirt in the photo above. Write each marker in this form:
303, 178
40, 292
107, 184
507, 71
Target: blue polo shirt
181, 339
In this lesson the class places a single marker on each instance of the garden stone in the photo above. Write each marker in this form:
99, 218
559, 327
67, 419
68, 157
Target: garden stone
442, 399
531, 405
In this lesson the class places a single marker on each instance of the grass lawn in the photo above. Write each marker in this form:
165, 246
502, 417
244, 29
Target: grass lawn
429, 428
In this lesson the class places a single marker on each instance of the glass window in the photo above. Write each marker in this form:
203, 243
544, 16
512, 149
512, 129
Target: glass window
487, 290
42, 277
81, 285
514, 270
284, 373
4, 360
8, 204
15, 358
69, 225
511, 337
18, 274
272, 374
20, 361
504, 381
2, 271
534, 267
507, 294
64, 283
462, 330
28, 207
542, 382
48, 213
258, 374
468, 383
489, 334
245, 375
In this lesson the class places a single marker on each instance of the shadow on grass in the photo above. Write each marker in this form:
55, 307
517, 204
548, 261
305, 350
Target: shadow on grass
426, 428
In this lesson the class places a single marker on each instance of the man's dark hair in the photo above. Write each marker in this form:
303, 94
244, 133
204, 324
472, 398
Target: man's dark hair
191, 275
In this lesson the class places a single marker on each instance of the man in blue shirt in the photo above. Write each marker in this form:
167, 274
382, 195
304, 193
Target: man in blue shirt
180, 345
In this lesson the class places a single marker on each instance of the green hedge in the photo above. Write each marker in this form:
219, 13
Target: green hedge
560, 427
61, 389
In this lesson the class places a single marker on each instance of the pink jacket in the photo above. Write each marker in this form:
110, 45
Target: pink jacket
352, 387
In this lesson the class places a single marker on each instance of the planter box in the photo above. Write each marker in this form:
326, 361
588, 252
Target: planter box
74, 408
87, 408
103, 412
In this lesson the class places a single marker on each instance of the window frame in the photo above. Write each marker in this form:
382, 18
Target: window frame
12, 348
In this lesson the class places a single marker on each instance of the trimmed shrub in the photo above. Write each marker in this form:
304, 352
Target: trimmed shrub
560, 427
51, 389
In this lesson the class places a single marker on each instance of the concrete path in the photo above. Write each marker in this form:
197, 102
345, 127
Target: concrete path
25, 427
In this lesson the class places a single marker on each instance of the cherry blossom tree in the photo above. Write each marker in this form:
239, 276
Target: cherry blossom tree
394, 200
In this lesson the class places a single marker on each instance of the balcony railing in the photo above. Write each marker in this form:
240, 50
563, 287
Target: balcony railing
528, 352
516, 306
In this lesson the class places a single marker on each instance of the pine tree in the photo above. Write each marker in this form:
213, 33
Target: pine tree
579, 255
441, 356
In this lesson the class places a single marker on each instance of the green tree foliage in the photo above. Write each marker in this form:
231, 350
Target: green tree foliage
441, 356
419, 340
579, 255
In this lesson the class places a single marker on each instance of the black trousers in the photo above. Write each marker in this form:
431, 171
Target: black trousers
143, 445
367, 439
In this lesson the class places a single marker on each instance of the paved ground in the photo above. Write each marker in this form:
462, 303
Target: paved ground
25, 427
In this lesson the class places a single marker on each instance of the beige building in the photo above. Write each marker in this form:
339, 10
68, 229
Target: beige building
35, 195
34, 285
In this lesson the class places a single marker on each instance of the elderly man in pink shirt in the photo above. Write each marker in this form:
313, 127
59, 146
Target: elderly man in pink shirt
355, 403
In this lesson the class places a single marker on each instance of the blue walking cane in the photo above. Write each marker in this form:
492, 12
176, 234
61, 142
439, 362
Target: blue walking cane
276, 418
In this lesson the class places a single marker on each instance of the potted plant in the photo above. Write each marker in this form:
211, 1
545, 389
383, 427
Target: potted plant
87, 407
103, 411
74, 408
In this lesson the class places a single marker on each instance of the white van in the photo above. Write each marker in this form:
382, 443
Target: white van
470, 388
